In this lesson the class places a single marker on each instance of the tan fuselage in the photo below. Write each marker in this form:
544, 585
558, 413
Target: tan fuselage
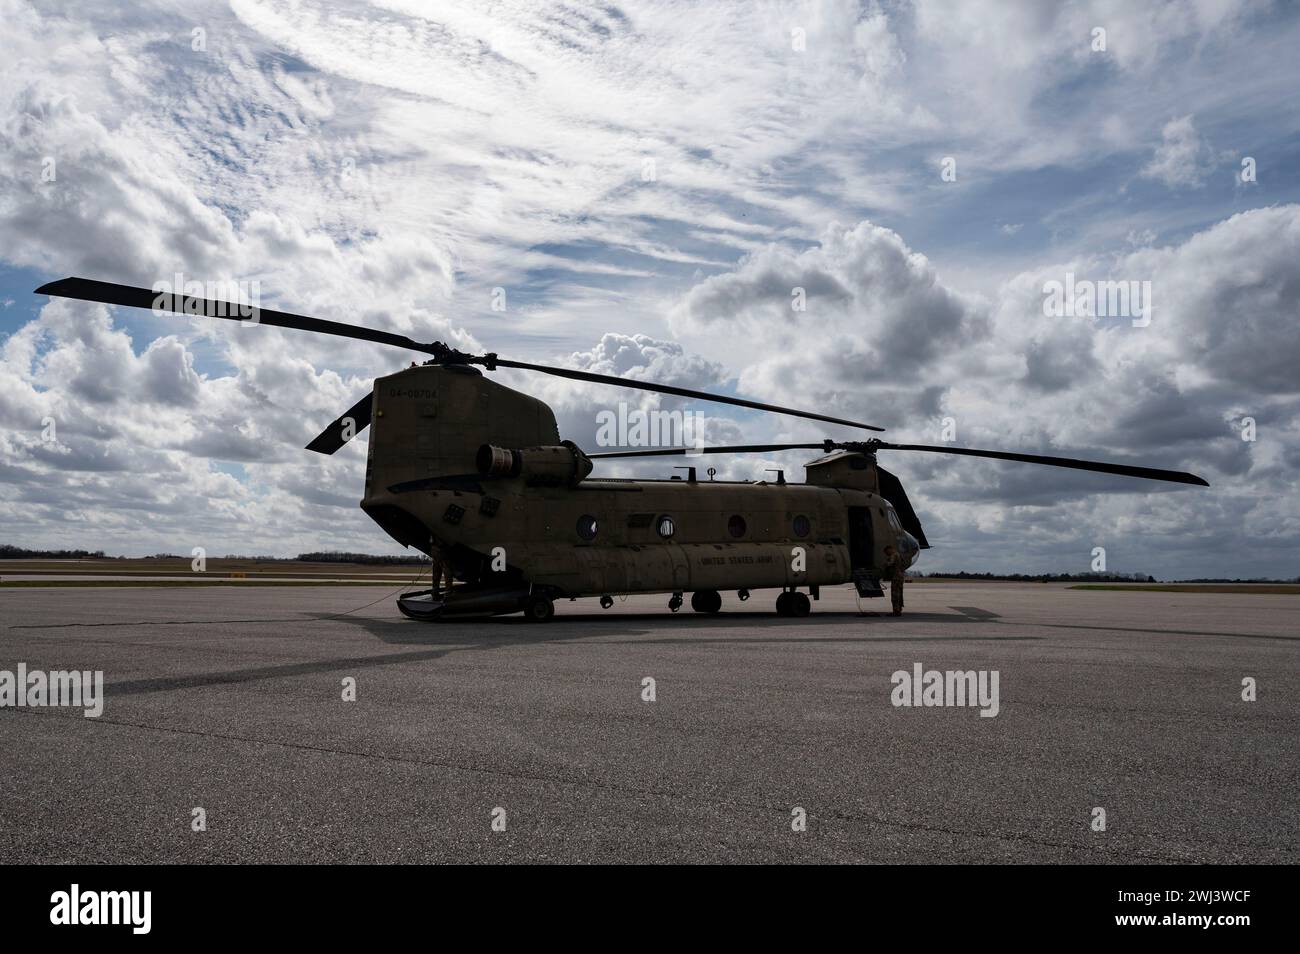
598, 536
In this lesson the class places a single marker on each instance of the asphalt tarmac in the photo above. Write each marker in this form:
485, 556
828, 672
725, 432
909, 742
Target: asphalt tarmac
230, 700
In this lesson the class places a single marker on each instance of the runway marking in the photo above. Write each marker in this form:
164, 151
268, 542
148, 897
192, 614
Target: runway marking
974, 612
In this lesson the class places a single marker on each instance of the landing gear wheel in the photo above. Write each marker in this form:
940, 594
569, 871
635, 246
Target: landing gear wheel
799, 605
606, 602
538, 609
706, 601
783, 604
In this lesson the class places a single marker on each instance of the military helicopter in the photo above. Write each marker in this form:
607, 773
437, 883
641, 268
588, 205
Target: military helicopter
475, 474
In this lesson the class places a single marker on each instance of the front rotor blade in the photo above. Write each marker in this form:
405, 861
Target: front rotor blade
733, 449
112, 294
353, 421
109, 293
1124, 470
669, 389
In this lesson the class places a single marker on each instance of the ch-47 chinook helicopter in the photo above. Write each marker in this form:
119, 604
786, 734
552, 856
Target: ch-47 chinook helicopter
475, 475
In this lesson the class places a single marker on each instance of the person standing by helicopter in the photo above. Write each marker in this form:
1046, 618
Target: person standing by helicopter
894, 572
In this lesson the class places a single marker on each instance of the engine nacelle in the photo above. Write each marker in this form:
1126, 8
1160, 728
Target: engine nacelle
550, 466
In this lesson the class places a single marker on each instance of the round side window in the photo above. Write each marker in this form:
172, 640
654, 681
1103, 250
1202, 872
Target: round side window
736, 525
802, 526
666, 526
587, 527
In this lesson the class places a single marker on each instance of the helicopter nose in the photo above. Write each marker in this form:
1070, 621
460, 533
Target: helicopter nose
908, 547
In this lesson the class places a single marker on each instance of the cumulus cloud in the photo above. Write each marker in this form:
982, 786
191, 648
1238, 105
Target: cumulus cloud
858, 321
1232, 289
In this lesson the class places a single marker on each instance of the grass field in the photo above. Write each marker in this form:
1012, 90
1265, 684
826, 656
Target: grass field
218, 572
1257, 588
55, 581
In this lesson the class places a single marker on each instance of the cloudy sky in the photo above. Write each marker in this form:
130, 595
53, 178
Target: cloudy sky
649, 182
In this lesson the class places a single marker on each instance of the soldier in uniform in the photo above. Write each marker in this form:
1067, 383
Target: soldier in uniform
894, 572
442, 577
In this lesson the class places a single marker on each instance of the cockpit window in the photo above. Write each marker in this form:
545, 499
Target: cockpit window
893, 519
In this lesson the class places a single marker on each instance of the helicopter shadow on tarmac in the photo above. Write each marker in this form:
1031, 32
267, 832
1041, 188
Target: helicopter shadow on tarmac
502, 632
436, 640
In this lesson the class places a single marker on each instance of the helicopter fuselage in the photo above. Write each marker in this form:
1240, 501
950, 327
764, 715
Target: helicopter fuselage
551, 527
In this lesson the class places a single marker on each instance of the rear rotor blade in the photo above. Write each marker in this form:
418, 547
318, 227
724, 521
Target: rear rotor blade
669, 389
1124, 470
873, 445
353, 421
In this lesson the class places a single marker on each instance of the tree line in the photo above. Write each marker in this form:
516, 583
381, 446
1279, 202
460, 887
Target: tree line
11, 552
